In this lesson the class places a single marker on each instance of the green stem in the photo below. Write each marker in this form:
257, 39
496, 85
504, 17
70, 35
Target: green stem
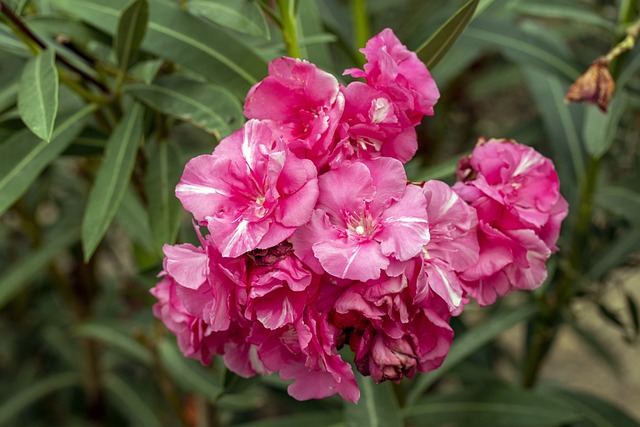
289, 29
361, 25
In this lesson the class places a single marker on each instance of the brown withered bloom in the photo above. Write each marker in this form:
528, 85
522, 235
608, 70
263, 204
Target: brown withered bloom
595, 86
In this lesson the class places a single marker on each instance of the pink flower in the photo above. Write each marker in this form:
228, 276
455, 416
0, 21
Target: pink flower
303, 101
515, 192
397, 71
372, 126
366, 218
251, 192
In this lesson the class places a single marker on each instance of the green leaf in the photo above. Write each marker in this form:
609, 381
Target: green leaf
598, 348
615, 254
377, 406
31, 265
188, 373
133, 216
207, 106
491, 407
620, 201
8, 95
130, 403
34, 392
243, 16
573, 13
443, 170
163, 173
131, 28
434, 49
306, 419
38, 94
611, 316
594, 411
632, 309
176, 35
471, 341
310, 27
116, 339
24, 156
112, 179
599, 130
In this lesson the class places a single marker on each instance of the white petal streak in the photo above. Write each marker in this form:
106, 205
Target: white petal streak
198, 189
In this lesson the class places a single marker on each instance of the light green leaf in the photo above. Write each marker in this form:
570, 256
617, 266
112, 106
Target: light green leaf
207, 106
620, 201
24, 156
34, 392
132, 26
310, 29
112, 179
188, 373
176, 35
306, 419
434, 49
130, 403
594, 411
240, 15
469, 342
377, 407
116, 339
491, 407
442, 171
146, 70
599, 130
163, 173
38, 94
33, 264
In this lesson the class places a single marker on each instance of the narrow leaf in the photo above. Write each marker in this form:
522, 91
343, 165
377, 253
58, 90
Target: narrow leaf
116, 339
377, 407
469, 342
174, 34
595, 412
163, 173
598, 348
615, 254
432, 50
38, 94
31, 265
130, 403
632, 308
620, 201
599, 130
243, 16
187, 373
36, 391
133, 216
131, 29
611, 316
112, 179
492, 407
24, 156
306, 419
207, 106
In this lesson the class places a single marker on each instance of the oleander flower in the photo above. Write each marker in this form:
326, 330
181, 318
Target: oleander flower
398, 72
305, 103
367, 218
516, 194
372, 126
251, 192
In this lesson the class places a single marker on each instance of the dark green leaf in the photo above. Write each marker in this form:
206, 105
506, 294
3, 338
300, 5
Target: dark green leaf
131, 28
8, 95
38, 94
36, 391
133, 216
112, 179
176, 35
595, 412
632, 308
471, 341
611, 316
377, 406
307, 419
207, 106
117, 339
600, 128
163, 173
24, 156
130, 403
434, 49
598, 348
240, 15
33, 264
146, 70
188, 373
620, 201
615, 254
574, 13
491, 407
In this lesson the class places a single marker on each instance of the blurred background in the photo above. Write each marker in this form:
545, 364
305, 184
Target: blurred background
82, 228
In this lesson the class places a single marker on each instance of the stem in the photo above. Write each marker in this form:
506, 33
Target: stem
289, 30
361, 24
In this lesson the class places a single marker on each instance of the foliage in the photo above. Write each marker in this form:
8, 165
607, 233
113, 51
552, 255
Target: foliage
103, 102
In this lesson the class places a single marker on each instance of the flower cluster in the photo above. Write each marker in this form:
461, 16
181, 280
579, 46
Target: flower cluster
316, 240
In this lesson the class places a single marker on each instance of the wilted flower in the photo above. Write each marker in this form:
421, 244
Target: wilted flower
595, 86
